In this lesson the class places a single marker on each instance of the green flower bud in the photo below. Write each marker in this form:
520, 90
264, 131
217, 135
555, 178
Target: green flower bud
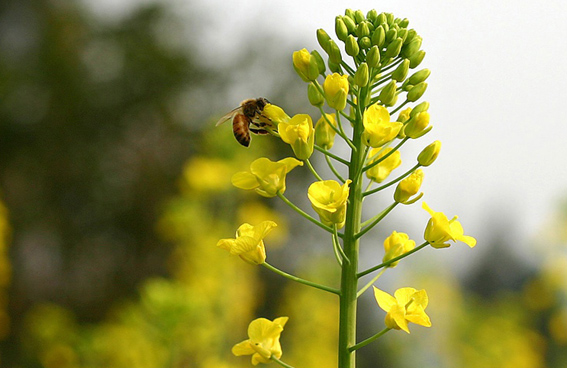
388, 95
424, 106
429, 154
372, 15
341, 29
416, 59
323, 39
412, 47
349, 23
305, 65
411, 35
324, 133
320, 61
373, 57
334, 67
361, 75
381, 18
362, 29
401, 71
403, 34
316, 98
393, 48
349, 13
379, 37
391, 35
390, 18
351, 46
364, 43
334, 52
418, 125
404, 23
416, 92
419, 76
359, 16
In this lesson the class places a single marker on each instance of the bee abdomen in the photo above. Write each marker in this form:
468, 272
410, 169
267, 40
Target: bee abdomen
240, 129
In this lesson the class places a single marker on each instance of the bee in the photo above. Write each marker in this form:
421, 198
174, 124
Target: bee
246, 118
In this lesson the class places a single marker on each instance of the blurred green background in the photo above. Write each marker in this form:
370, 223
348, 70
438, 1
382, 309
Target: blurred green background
116, 187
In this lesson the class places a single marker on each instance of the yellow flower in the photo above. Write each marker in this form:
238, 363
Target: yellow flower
395, 245
407, 305
298, 132
404, 115
378, 129
329, 199
429, 154
440, 230
336, 90
305, 65
380, 172
266, 177
409, 187
324, 134
275, 114
264, 340
249, 242
418, 125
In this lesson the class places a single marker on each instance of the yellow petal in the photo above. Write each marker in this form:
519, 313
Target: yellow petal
243, 348
384, 300
244, 180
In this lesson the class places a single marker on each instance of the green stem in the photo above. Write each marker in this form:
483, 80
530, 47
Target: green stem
361, 291
399, 107
395, 259
366, 168
349, 142
339, 176
333, 156
312, 169
369, 340
375, 220
304, 214
337, 245
351, 120
347, 68
300, 280
369, 192
280, 362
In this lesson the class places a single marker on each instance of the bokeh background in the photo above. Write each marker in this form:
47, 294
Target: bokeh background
115, 186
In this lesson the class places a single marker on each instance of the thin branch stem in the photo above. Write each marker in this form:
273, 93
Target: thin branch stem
331, 155
312, 169
369, 192
337, 245
368, 167
369, 340
339, 176
395, 259
376, 220
300, 280
361, 291
304, 214
280, 362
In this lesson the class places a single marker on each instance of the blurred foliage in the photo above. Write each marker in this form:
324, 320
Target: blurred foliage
5, 274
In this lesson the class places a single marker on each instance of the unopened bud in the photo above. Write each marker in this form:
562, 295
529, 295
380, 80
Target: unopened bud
416, 92
379, 37
412, 47
316, 98
424, 106
320, 62
409, 187
373, 57
323, 39
351, 46
390, 18
391, 35
404, 115
401, 71
419, 76
349, 13
416, 59
333, 67
349, 23
403, 33
393, 48
359, 16
341, 29
429, 154
305, 65
418, 125
381, 18
388, 95
372, 15
324, 133
411, 35
364, 43
361, 75
362, 29
404, 23
334, 53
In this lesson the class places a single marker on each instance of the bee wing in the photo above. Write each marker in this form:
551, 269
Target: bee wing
228, 116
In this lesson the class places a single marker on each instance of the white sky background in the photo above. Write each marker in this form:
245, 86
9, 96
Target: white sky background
497, 92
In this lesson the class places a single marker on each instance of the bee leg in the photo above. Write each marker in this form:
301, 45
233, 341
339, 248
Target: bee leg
259, 131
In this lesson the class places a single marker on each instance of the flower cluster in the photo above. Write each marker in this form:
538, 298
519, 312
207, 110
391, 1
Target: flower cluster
382, 51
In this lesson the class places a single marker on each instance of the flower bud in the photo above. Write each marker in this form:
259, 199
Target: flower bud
416, 59
403, 33
333, 67
416, 92
379, 172
424, 106
419, 76
401, 71
391, 35
373, 57
361, 75
349, 23
411, 35
298, 132
429, 154
390, 18
381, 18
349, 13
418, 125
362, 30
372, 15
341, 29
412, 47
336, 90
359, 16
395, 245
305, 65
319, 60
388, 95
364, 43
323, 39
379, 37
404, 23
324, 133
334, 53
351, 46
408, 187
393, 48
315, 96
404, 115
